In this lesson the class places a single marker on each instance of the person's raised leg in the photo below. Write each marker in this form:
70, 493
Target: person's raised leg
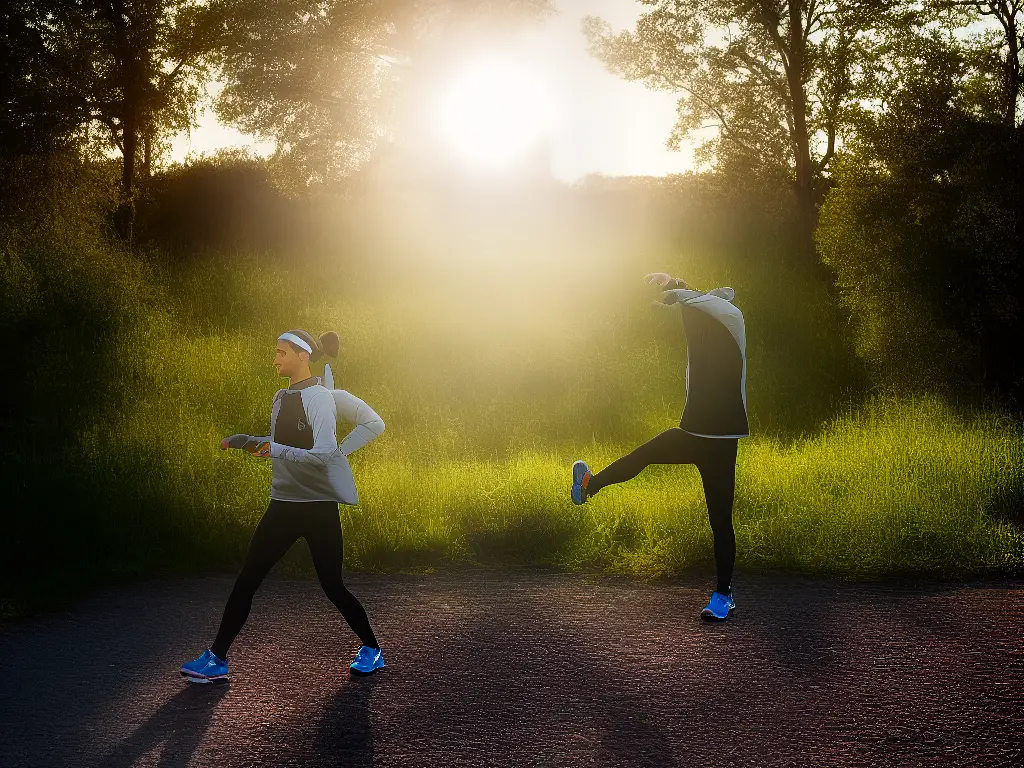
673, 446
276, 531
718, 475
322, 531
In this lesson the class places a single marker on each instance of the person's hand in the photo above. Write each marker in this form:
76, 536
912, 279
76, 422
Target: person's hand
668, 299
665, 280
660, 279
247, 443
235, 441
259, 449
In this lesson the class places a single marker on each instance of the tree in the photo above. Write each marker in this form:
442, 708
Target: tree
125, 73
304, 73
774, 77
318, 77
920, 227
32, 119
1007, 43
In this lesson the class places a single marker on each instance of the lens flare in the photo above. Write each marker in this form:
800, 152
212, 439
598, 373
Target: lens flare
494, 112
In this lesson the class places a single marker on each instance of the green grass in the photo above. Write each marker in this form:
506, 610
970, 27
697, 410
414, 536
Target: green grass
899, 488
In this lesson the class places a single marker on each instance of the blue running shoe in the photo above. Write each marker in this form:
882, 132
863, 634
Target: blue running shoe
207, 668
580, 479
367, 660
718, 607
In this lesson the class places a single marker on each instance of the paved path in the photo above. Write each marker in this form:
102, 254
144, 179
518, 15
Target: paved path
526, 668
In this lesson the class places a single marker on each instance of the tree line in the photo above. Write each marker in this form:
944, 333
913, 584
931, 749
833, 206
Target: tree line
782, 86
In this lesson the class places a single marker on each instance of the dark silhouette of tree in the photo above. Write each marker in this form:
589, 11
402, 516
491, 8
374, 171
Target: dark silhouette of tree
922, 226
33, 118
120, 73
1006, 43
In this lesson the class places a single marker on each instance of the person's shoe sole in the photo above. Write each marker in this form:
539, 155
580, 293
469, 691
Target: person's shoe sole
579, 471
354, 671
196, 679
710, 617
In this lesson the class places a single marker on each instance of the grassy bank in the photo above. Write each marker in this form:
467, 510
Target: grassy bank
893, 488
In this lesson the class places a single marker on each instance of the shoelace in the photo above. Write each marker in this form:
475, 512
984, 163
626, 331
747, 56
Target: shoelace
212, 660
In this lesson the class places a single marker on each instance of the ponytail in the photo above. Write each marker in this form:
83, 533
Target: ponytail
329, 343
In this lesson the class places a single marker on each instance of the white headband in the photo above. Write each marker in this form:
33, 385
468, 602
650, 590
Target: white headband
295, 340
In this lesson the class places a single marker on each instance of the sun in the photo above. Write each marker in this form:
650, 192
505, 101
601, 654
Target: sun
494, 112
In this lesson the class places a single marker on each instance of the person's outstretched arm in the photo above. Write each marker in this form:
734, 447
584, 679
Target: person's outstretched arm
675, 289
368, 425
247, 443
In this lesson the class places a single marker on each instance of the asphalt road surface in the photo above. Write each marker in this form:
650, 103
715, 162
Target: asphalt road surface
526, 668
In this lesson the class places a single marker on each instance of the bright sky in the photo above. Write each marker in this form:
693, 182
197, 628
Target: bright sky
599, 124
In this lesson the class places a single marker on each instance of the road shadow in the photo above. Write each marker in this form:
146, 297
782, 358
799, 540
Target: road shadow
177, 728
334, 730
344, 734
503, 690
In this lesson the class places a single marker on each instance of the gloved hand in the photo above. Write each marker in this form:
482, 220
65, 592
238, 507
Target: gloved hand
260, 448
235, 441
664, 280
247, 443
668, 299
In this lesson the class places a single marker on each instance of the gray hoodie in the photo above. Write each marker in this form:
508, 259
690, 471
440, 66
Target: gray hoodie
308, 463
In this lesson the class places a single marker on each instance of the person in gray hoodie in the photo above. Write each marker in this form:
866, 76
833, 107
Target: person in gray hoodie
310, 477
714, 420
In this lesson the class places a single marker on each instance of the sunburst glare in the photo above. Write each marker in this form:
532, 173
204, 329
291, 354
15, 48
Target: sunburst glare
494, 112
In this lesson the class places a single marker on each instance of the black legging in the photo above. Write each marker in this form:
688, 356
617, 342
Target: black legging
715, 459
282, 525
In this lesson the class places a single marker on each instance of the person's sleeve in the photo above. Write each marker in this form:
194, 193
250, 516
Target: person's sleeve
680, 296
320, 412
368, 425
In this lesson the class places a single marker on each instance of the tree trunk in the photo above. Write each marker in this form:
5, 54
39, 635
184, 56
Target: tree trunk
126, 210
131, 147
804, 187
115, 13
147, 155
1012, 71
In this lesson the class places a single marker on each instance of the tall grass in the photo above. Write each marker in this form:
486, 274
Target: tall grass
897, 487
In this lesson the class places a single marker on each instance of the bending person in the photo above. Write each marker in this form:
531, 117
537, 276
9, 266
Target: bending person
714, 418
311, 476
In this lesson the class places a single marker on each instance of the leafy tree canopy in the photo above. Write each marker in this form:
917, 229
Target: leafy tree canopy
321, 77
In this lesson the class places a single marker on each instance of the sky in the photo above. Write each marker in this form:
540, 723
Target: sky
600, 124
